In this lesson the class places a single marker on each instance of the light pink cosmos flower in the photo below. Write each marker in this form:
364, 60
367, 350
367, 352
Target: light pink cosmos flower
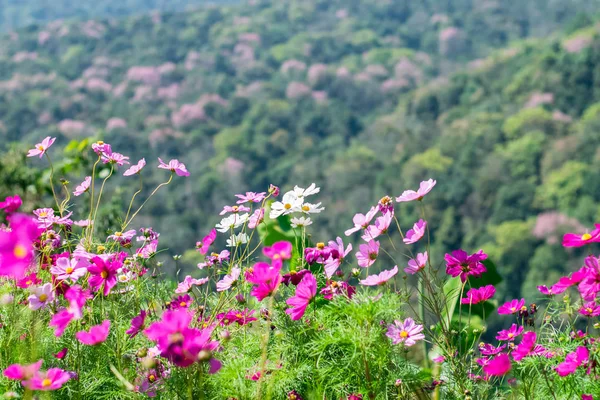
475, 296
416, 233
256, 218
41, 148
361, 221
69, 269
410, 195
229, 280
41, 296
174, 166
188, 282
234, 209
203, 246
114, 158
407, 332
53, 379
510, 334
101, 148
135, 169
573, 361
512, 307
83, 186
96, 335
381, 278
336, 257
122, 237
381, 226
250, 197
305, 292
498, 366
576, 240
415, 265
367, 254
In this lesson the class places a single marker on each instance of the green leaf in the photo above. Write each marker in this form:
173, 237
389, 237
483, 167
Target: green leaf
451, 294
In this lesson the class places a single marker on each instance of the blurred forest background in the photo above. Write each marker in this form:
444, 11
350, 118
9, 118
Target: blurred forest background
499, 100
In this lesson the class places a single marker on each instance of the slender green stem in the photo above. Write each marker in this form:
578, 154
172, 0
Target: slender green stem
144, 203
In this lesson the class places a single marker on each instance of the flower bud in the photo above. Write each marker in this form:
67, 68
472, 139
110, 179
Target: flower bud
204, 355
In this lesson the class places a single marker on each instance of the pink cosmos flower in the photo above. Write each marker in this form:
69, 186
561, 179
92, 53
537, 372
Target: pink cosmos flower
135, 169
526, 346
410, 195
100, 148
335, 288
336, 257
305, 292
415, 265
149, 249
256, 218
103, 274
278, 251
174, 166
234, 209
22, 372
416, 233
234, 316
294, 277
512, 307
575, 240
361, 221
96, 335
380, 227
11, 204
510, 334
589, 279
41, 296
498, 366
188, 282
381, 279
28, 280
266, 278
110, 157
407, 332
573, 361
60, 321
123, 237
137, 324
587, 397
42, 147
489, 350
77, 298
16, 246
367, 254
228, 280
590, 309
83, 186
61, 354
475, 296
69, 269
250, 197
203, 246
460, 263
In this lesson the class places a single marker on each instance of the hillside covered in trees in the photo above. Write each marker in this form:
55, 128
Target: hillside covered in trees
498, 101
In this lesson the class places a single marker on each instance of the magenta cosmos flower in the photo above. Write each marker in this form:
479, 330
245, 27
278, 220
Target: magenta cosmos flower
367, 254
188, 282
22, 372
104, 273
305, 292
11, 204
250, 197
460, 263
407, 332
96, 335
41, 148
498, 366
410, 195
417, 264
266, 279
381, 278
416, 233
229, 280
174, 166
510, 334
575, 240
278, 251
137, 324
53, 379
573, 361
16, 246
135, 169
482, 294
512, 307
361, 221
83, 186
590, 309
203, 246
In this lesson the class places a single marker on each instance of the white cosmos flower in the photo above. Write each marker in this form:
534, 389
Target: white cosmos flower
312, 189
300, 221
232, 221
237, 240
309, 208
288, 204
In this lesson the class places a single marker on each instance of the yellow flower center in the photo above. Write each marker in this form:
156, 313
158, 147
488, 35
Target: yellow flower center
320, 245
43, 214
99, 142
305, 208
287, 206
20, 251
68, 270
43, 297
40, 148
118, 234
511, 335
385, 200
182, 304
29, 282
513, 309
46, 382
238, 315
586, 236
103, 274
589, 310
523, 308
101, 249
403, 334
235, 208
151, 378
175, 337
